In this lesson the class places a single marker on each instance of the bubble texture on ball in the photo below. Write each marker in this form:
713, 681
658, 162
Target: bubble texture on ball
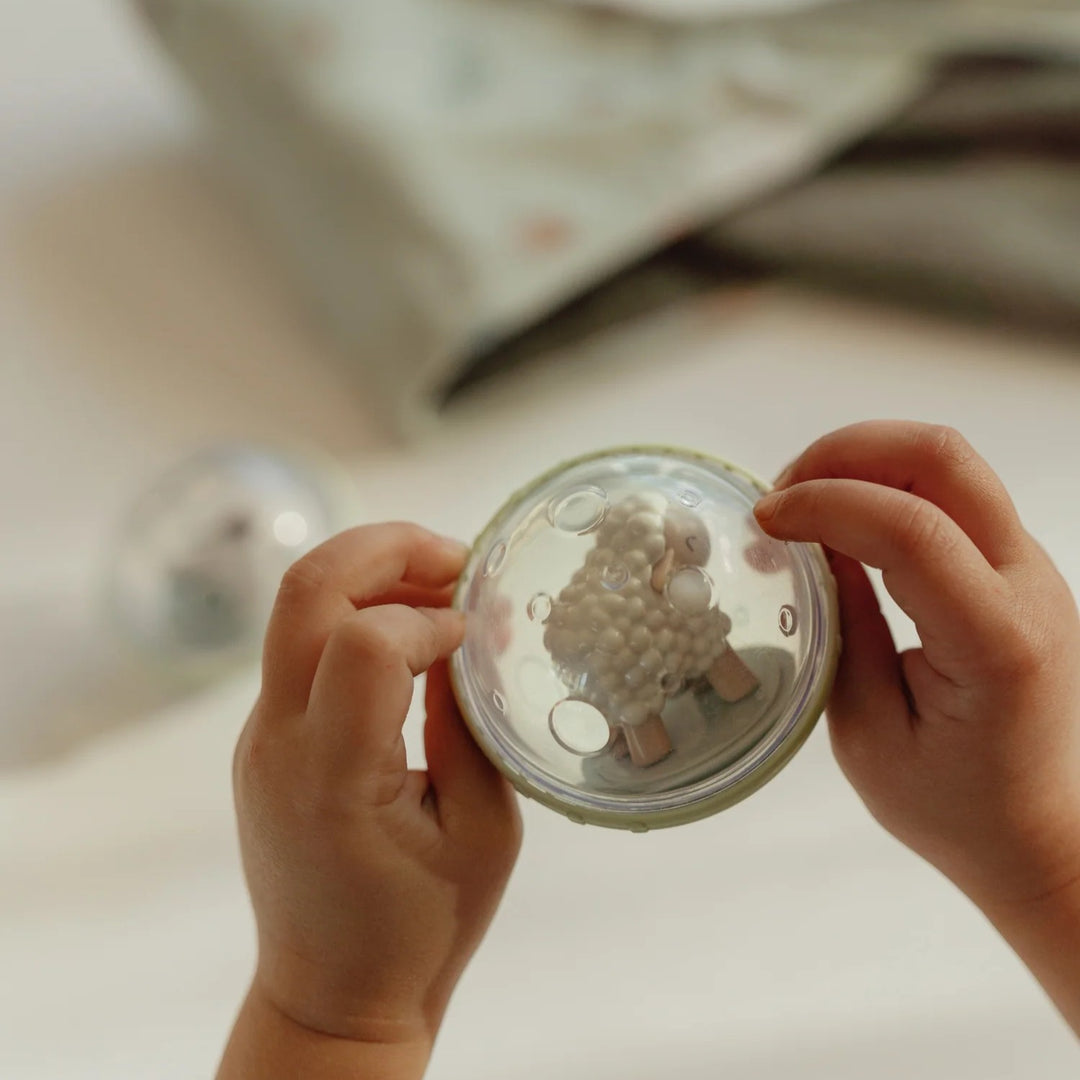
637, 651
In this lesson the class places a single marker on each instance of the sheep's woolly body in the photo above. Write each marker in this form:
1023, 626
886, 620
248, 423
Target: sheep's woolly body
617, 642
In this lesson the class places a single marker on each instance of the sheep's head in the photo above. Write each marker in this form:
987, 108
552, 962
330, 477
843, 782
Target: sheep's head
686, 537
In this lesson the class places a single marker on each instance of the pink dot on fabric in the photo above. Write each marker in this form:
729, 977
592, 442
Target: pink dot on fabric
545, 234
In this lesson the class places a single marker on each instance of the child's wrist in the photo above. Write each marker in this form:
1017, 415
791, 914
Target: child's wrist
1044, 931
377, 1040
1038, 867
268, 1043
334, 1006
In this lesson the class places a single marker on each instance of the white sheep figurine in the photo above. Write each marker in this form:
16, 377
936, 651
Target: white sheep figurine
637, 623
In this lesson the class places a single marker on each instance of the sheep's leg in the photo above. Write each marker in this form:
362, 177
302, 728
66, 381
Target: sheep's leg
731, 678
619, 746
648, 742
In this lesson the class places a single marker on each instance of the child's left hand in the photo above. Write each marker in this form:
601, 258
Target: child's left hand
372, 885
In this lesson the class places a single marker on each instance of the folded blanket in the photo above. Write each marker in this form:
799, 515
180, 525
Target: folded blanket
447, 174
970, 202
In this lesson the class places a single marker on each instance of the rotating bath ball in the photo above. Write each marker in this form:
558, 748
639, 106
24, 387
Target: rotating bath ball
638, 653
197, 561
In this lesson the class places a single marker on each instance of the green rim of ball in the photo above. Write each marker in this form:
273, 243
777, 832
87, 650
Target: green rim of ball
635, 821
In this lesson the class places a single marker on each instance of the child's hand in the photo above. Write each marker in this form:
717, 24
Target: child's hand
968, 748
372, 885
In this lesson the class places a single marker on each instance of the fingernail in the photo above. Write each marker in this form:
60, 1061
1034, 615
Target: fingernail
766, 506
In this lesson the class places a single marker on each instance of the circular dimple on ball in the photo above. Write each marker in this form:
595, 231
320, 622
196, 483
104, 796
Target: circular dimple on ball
579, 727
788, 620
614, 576
539, 609
690, 497
578, 511
690, 591
495, 559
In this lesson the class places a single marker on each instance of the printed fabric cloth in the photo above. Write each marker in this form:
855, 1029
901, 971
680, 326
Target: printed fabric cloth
459, 181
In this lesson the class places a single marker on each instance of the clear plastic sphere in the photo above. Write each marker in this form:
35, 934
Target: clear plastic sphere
638, 652
198, 561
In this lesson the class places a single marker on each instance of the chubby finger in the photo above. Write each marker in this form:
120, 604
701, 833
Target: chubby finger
363, 687
930, 566
473, 797
868, 704
933, 462
416, 596
325, 587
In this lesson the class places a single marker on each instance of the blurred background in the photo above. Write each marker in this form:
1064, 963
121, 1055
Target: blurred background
270, 269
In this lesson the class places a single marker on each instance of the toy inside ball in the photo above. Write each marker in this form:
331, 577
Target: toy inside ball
638, 652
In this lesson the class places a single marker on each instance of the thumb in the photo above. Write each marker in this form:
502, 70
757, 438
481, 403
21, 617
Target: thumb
475, 801
868, 711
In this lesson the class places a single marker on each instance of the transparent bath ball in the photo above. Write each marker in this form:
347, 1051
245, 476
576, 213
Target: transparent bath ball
638, 653
199, 557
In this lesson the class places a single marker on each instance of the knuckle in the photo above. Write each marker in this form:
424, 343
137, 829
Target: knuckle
946, 445
405, 535
917, 526
1024, 651
805, 503
945, 440
430, 641
366, 636
386, 635
240, 761
250, 762
305, 576
1024, 639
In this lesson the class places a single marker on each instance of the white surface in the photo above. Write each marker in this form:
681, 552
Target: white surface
140, 318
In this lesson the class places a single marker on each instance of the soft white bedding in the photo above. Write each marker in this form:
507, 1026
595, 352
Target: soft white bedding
786, 938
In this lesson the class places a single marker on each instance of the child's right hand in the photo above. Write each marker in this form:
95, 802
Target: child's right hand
968, 748
372, 884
